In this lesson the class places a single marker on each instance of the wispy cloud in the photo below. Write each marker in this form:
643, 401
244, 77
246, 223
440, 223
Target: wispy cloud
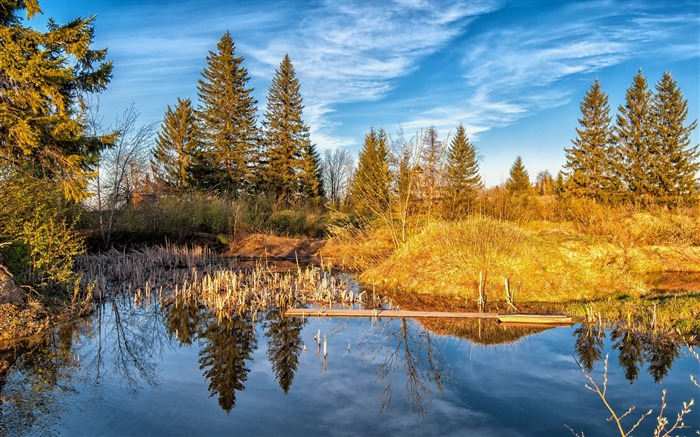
353, 51
517, 71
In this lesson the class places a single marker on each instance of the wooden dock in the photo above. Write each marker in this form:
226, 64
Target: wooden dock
511, 319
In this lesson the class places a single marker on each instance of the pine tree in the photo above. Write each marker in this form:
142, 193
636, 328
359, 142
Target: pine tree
463, 179
589, 160
176, 145
673, 163
228, 115
371, 184
291, 165
42, 78
633, 136
431, 165
518, 181
311, 176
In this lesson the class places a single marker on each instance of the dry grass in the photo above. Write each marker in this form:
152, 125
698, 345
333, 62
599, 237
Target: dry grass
197, 274
448, 257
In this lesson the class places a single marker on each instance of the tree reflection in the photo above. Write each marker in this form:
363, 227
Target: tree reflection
228, 344
411, 346
128, 343
589, 345
635, 349
34, 401
284, 346
182, 321
631, 346
660, 352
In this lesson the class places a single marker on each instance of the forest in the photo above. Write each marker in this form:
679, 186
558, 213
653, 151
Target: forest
624, 206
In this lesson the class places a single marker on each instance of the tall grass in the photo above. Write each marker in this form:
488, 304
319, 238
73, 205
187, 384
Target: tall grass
197, 274
447, 258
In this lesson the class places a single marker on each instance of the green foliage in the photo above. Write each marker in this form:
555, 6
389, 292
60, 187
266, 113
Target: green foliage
291, 168
228, 116
463, 179
44, 75
176, 145
674, 162
38, 223
370, 189
590, 160
518, 182
633, 136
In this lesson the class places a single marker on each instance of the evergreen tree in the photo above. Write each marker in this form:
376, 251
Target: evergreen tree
463, 179
311, 176
43, 76
176, 144
431, 166
291, 165
228, 115
590, 160
371, 184
518, 181
633, 135
673, 163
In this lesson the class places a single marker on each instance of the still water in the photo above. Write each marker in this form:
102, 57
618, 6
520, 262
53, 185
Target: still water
177, 370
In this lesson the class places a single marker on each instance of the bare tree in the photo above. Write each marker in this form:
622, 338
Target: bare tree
119, 165
338, 166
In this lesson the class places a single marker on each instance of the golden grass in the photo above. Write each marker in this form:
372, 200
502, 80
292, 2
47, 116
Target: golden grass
446, 258
197, 274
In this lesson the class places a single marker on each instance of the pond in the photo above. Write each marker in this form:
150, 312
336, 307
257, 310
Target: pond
139, 368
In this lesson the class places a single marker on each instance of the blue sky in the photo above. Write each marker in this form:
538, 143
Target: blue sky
512, 72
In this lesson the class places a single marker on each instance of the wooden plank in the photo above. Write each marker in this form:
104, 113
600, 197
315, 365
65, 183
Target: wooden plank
535, 318
544, 319
332, 312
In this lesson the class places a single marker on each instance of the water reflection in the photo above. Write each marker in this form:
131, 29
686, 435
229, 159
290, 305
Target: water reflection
635, 348
37, 398
124, 346
284, 345
227, 347
409, 347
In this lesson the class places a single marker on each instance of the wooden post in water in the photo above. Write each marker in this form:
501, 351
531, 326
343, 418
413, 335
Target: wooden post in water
510, 297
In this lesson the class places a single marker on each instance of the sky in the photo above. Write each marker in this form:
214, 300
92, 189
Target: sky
513, 72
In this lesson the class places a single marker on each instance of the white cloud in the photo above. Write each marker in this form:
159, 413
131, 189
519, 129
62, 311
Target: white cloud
353, 52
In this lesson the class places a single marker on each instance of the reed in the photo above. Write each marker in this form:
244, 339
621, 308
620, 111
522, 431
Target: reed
197, 274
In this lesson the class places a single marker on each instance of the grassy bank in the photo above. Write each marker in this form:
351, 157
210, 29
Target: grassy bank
543, 261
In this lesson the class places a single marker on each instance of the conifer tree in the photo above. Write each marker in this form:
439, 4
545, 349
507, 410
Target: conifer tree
371, 184
673, 163
633, 136
43, 77
431, 165
518, 181
463, 179
291, 166
311, 176
228, 114
176, 145
589, 160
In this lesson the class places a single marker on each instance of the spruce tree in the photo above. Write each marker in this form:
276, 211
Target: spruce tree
673, 163
463, 179
176, 145
589, 161
228, 114
518, 181
431, 164
633, 136
43, 77
291, 166
311, 177
371, 184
